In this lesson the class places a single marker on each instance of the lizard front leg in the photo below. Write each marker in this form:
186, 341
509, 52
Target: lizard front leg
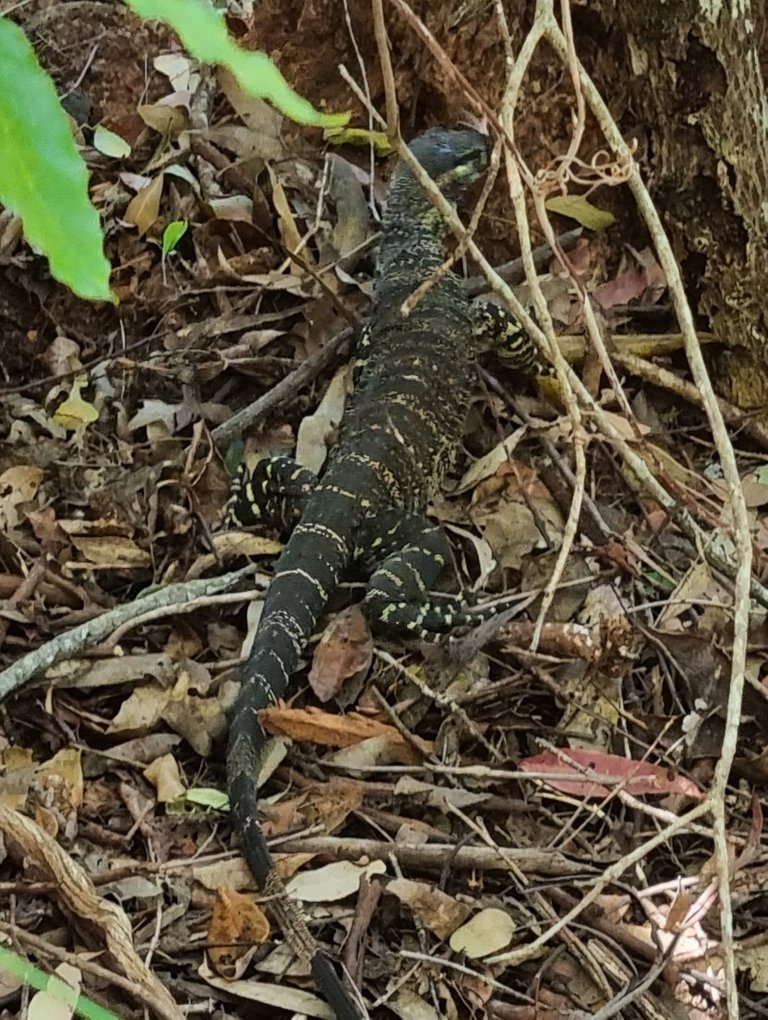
274, 493
496, 328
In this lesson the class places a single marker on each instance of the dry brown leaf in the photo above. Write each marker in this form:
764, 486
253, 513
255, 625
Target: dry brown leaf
289, 232
165, 119
511, 532
62, 356
333, 881
754, 959
18, 484
165, 776
120, 669
263, 122
317, 430
229, 873
18, 774
198, 719
487, 466
326, 729
329, 804
238, 925
243, 543
381, 750
281, 816
110, 553
441, 913
144, 208
636, 777
274, 996
62, 777
345, 650
407, 1005
141, 711
487, 932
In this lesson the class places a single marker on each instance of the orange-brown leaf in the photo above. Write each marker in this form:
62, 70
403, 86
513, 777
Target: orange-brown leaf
344, 650
324, 728
237, 925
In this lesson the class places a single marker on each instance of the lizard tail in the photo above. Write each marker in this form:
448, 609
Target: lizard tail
308, 570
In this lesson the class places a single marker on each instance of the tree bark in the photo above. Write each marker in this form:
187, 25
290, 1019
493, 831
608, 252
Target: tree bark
687, 78
696, 77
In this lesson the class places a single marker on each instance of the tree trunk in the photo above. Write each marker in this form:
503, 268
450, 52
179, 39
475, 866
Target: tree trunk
684, 76
696, 77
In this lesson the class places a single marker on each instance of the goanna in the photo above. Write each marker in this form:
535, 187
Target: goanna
415, 376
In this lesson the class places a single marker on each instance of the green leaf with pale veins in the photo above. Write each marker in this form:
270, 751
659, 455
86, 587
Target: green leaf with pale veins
42, 177
204, 34
579, 209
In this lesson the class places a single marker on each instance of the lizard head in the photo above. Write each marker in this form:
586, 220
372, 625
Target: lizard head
453, 159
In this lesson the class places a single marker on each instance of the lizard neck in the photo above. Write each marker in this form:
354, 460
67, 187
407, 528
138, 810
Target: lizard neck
413, 234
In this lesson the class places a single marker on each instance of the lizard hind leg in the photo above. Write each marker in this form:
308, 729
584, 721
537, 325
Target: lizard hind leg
407, 553
274, 492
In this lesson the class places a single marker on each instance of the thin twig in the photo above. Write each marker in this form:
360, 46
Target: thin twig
741, 531
73, 641
332, 350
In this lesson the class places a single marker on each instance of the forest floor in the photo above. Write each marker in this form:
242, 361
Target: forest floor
437, 809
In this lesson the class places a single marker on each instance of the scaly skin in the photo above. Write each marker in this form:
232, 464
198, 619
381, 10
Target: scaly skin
401, 434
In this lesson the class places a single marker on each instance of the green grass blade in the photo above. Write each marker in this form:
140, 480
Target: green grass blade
50, 983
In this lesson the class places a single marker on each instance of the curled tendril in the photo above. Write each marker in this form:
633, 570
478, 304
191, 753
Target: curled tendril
604, 168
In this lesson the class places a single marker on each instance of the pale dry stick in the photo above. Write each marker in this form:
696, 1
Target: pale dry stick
611, 874
77, 895
589, 774
741, 535
80, 960
546, 910
517, 69
393, 133
232, 598
385, 63
632, 990
438, 698
571, 405
461, 968
470, 93
581, 113
285, 390
292, 257
460, 250
513, 271
736, 569
519, 66
681, 516
169, 598
373, 113
542, 17
646, 480
369, 104
662, 377
395, 987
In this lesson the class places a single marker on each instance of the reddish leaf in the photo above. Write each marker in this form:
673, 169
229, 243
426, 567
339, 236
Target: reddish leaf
636, 777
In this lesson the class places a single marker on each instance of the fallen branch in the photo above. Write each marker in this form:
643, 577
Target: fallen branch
332, 350
92, 632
